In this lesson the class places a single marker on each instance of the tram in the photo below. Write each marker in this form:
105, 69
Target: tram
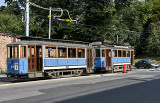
40, 57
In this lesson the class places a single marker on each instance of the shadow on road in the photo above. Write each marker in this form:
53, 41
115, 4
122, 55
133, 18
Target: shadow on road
144, 92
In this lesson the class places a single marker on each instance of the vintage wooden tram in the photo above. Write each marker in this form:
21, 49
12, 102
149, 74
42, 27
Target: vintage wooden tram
40, 57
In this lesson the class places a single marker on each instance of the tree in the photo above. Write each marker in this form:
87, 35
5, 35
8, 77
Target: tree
10, 23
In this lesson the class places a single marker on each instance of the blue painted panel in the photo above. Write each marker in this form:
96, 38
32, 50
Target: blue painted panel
22, 66
82, 62
121, 60
64, 62
99, 62
50, 62
115, 60
11, 66
129, 60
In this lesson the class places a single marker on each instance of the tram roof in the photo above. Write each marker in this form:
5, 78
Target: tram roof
114, 47
30, 38
48, 43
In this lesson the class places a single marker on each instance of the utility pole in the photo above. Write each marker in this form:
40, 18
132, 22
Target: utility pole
50, 22
111, 55
117, 39
27, 17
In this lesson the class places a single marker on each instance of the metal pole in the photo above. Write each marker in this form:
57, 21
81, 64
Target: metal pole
112, 59
117, 39
27, 17
50, 23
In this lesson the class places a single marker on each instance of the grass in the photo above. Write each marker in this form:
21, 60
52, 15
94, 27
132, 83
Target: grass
154, 59
3, 72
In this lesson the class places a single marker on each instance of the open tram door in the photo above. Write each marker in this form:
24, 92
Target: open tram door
34, 61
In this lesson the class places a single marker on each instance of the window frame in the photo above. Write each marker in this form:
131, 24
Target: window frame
122, 56
84, 53
51, 47
102, 53
15, 53
128, 53
11, 52
25, 50
99, 53
62, 48
124, 53
75, 52
119, 53
116, 52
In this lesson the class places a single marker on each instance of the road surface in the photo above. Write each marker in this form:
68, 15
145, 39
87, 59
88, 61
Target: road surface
138, 86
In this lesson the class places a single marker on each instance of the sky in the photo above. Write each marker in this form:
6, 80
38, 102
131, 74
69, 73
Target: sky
2, 2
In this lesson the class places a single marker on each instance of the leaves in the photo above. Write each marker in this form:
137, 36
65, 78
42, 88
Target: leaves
97, 20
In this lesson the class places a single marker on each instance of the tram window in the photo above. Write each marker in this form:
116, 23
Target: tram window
15, 52
81, 53
128, 53
62, 52
23, 51
124, 53
97, 52
50, 52
103, 53
119, 53
71, 53
32, 53
115, 51
9, 52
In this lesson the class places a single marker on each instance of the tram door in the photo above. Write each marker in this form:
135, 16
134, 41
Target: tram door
132, 57
107, 58
39, 58
34, 58
89, 59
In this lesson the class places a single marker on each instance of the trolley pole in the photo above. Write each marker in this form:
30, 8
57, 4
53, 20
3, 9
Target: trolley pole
27, 17
50, 13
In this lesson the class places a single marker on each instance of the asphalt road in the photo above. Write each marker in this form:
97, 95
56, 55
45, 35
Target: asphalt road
138, 86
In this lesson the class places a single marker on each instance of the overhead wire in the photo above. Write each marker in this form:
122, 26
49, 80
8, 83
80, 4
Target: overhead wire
55, 9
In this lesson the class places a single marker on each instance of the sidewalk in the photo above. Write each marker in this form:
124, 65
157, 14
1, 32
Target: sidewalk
3, 75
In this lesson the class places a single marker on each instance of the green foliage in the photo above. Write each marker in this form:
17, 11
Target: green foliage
10, 23
97, 20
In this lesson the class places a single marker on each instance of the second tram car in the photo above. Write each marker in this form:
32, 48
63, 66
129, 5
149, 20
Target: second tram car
122, 55
39, 57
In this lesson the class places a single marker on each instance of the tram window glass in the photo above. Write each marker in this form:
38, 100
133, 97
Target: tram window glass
103, 53
119, 53
81, 53
128, 53
115, 51
15, 52
9, 52
71, 52
124, 53
32, 53
62, 52
23, 51
97, 52
50, 52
